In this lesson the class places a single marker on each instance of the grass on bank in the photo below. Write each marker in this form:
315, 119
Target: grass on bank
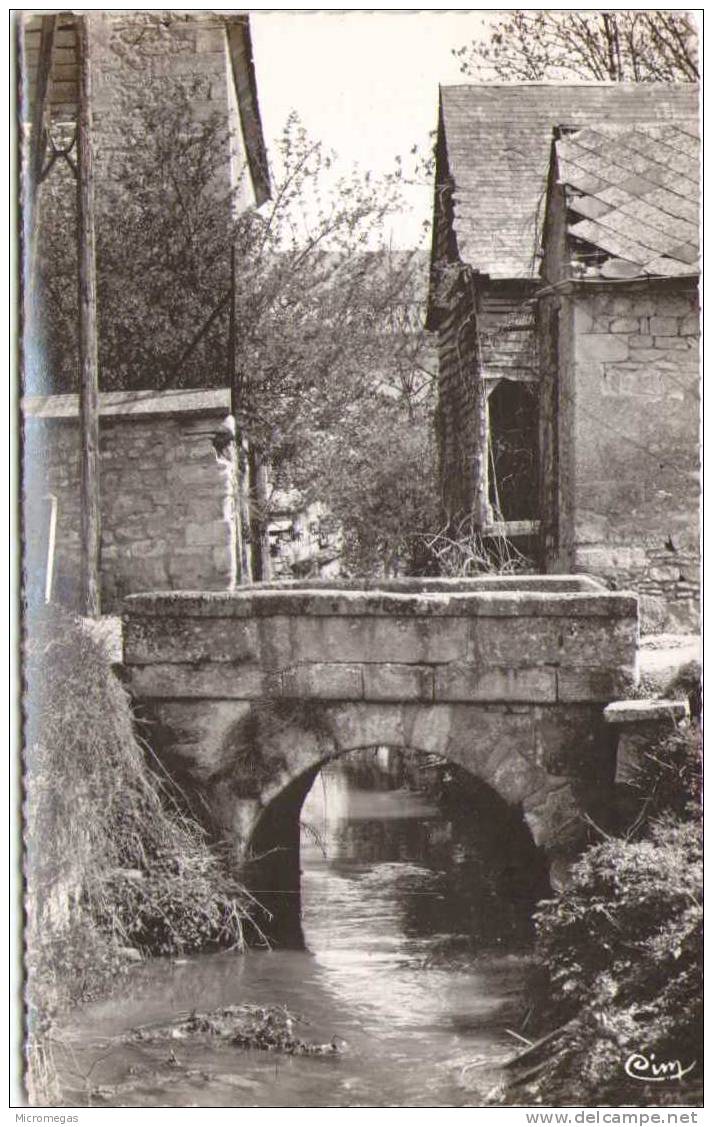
620, 955
113, 865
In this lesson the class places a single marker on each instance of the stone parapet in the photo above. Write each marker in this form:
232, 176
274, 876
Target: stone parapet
466, 644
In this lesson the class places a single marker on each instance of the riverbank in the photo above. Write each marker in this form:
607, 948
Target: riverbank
129, 873
617, 992
418, 1008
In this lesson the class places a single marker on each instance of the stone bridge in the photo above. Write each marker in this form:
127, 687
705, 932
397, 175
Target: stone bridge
249, 693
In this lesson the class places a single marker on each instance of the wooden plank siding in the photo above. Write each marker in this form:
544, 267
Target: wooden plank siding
64, 91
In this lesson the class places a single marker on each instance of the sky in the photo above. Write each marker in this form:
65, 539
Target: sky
364, 83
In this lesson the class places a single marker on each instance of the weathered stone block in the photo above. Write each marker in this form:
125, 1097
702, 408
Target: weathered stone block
596, 347
461, 682
391, 681
672, 344
593, 684
515, 778
690, 325
328, 681
555, 820
203, 738
367, 639
367, 725
215, 681
663, 326
189, 639
624, 325
146, 549
643, 711
211, 532
529, 642
478, 736
568, 738
430, 729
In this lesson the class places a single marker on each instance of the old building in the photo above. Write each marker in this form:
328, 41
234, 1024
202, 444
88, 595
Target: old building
564, 295
207, 50
164, 496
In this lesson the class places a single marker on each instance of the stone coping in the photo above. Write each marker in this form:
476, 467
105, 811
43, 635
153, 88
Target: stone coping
640, 711
117, 404
333, 600
428, 585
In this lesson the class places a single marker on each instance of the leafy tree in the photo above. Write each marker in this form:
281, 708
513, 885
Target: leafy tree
376, 473
326, 316
616, 46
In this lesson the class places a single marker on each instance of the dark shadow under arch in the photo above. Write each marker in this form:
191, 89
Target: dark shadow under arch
273, 871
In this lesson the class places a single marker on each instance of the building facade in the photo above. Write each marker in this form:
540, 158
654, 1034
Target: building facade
564, 296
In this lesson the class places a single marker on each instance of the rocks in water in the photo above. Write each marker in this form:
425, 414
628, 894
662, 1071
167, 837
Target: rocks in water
270, 1028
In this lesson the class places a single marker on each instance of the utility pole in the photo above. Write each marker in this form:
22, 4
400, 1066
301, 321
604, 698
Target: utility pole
242, 562
234, 398
38, 138
87, 332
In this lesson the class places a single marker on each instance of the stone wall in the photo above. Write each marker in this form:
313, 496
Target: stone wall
146, 47
633, 483
207, 52
165, 524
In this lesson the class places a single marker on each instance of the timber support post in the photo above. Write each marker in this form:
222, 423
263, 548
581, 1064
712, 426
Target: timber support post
239, 546
87, 332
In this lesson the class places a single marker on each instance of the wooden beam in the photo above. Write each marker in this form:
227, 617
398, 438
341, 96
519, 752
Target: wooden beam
43, 92
509, 528
87, 332
38, 145
237, 479
258, 523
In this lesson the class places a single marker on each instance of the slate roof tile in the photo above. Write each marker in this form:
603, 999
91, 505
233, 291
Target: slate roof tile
673, 204
654, 216
647, 214
618, 245
669, 267
498, 140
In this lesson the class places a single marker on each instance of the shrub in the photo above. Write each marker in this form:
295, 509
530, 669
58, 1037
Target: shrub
670, 776
112, 860
620, 950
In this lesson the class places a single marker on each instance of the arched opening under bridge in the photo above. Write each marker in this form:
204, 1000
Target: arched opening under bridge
382, 832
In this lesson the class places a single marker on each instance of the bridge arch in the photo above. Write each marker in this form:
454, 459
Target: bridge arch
250, 690
521, 794
495, 746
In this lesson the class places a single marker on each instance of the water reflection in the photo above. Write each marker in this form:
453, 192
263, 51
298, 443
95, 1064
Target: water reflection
454, 858
415, 914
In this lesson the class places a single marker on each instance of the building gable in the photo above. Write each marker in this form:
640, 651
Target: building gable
493, 154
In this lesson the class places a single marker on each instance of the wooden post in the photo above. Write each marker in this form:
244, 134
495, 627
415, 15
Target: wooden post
259, 536
87, 331
38, 137
239, 547
244, 502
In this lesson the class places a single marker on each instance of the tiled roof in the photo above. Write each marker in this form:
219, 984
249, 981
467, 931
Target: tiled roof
635, 193
498, 140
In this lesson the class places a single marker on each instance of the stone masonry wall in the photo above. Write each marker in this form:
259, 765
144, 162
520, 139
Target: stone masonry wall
163, 492
249, 690
188, 47
635, 442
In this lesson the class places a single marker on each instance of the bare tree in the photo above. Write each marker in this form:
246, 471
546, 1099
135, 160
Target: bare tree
614, 46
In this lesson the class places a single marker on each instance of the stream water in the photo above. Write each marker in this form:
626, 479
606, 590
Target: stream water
416, 923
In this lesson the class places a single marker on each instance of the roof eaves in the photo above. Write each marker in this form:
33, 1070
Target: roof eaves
243, 66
